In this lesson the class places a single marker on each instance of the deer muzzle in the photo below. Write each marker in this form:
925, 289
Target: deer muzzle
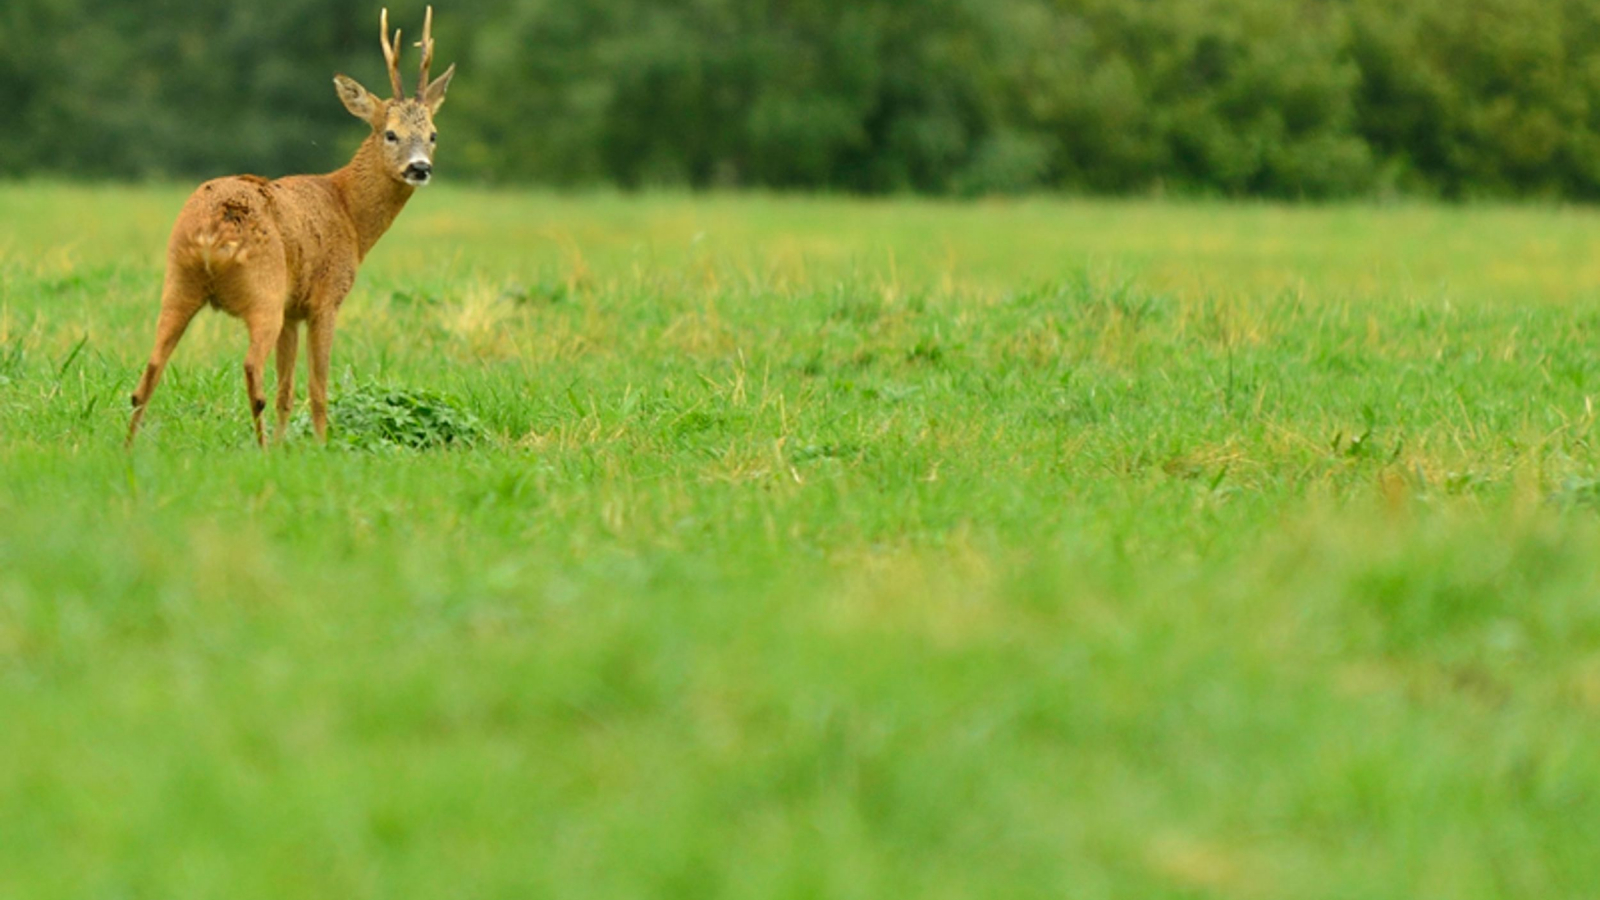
418, 173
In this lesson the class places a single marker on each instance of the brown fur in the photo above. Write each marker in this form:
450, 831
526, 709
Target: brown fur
277, 254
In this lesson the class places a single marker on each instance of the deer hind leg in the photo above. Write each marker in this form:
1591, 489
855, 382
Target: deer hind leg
179, 303
319, 337
264, 326
288, 349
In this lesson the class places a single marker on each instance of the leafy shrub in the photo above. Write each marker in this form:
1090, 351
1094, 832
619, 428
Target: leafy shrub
383, 417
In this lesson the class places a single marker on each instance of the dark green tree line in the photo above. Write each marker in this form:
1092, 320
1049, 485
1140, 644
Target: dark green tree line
1291, 98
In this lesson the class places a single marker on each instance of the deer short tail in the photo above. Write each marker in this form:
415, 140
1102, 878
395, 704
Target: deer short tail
218, 248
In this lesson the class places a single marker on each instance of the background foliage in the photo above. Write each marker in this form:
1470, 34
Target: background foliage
1291, 98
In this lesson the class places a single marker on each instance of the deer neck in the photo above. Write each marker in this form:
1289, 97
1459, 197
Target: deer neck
371, 195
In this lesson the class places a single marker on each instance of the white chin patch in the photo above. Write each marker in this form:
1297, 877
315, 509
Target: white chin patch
417, 181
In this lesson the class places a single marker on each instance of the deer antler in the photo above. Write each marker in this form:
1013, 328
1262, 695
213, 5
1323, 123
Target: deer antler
427, 52
391, 53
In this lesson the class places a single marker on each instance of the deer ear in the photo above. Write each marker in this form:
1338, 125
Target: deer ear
357, 99
433, 97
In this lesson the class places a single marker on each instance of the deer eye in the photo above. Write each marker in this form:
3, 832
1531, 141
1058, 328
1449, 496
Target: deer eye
432, 138
391, 137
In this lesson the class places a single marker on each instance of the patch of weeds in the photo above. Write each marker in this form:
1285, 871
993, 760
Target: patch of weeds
896, 393
927, 351
1136, 305
1082, 299
1466, 482
695, 422
857, 309
1366, 446
11, 358
64, 284
1423, 606
888, 393
413, 298
547, 292
809, 452
1578, 493
372, 416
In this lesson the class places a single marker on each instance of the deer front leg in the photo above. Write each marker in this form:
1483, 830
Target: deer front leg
319, 335
264, 328
288, 349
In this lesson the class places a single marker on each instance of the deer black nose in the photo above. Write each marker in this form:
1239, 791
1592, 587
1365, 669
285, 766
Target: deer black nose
419, 171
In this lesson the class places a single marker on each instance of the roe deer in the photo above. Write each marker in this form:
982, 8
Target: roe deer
279, 253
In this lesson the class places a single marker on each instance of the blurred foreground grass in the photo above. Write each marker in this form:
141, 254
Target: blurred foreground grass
818, 548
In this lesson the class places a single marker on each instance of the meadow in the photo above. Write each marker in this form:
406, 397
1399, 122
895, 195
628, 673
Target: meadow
817, 548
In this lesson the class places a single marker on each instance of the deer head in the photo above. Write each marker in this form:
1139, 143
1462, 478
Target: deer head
403, 126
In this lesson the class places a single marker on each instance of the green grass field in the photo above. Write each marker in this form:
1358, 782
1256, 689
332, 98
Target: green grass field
818, 548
